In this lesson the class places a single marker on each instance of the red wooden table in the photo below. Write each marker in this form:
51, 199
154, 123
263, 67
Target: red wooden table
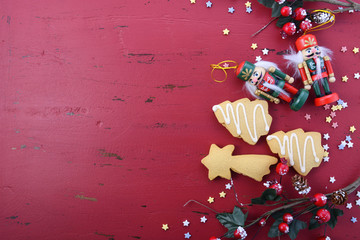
106, 114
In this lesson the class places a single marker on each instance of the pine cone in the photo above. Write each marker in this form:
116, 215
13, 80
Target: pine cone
300, 184
339, 197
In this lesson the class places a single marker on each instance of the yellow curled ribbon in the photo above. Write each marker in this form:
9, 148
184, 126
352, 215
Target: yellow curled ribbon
223, 68
322, 25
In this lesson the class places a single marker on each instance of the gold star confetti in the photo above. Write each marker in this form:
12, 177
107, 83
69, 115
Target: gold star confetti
334, 108
339, 107
254, 46
326, 154
222, 194
192, 1
210, 200
352, 129
356, 50
344, 78
226, 31
165, 227
248, 4
328, 119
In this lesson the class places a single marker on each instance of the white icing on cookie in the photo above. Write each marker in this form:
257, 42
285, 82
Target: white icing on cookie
236, 119
289, 144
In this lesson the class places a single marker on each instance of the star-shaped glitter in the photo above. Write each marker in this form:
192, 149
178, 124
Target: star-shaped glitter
352, 129
192, 1
350, 144
258, 58
328, 119
187, 235
340, 101
307, 116
326, 136
358, 194
231, 10
343, 143
222, 194
248, 4
332, 179
265, 51
348, 138
333, 114
165, 227
334, 108
353, 219
210, 200
326, 147
208, 4
339, 107
357, 202
334, 125
344, 78
348, 205
326, 159
341, 147
186, 223
254, 46
357, 75
344, 105
203, 219
351, 11
226, 31
355, 50
248, 10
326, 153
228, 186
343, 49
226, 65
326, 106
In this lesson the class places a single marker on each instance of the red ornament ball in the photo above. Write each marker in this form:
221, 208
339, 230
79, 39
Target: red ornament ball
320, 199
322, 215
240, 233
299, 14
288, 218
283, 228
324, 238
289, 28
286, 11
214, 238
282, 169
278, 188
305, 25
262, 222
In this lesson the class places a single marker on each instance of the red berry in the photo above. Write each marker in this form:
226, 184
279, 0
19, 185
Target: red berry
299, 14
282, 169
262, 222
286, 11
214, 238
280, 1
287, 218
283, 228
240, 233
289, 28
277, 187
324, 238
319, 199
322, 215
305, 25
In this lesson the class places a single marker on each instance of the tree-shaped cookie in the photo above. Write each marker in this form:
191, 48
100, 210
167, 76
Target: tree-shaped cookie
244, 119
303, 149
219, 161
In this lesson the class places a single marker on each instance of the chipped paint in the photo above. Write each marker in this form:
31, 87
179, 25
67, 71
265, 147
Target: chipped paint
86, 198
107, 154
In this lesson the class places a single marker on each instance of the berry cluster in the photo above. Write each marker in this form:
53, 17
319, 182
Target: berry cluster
299, 22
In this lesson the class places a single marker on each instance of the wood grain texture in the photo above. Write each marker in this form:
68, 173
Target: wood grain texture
106, 114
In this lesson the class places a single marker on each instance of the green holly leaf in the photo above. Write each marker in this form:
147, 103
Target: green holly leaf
282, 20
295, 227
258, 201
268, 195
276, 10
280, 214
334, 213
232, 220
313, 223
267, 3
274, 229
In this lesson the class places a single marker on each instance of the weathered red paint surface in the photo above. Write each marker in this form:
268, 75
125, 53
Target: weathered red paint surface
106, 114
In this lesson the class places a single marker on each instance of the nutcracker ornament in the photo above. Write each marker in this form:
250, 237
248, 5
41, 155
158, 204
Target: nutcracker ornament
265, 80
313, 65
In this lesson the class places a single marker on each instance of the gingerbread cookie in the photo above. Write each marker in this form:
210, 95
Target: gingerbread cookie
244, 119
303, 149
219, 161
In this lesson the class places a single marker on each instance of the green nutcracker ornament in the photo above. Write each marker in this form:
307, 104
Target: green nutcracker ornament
313, 65
264, 80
